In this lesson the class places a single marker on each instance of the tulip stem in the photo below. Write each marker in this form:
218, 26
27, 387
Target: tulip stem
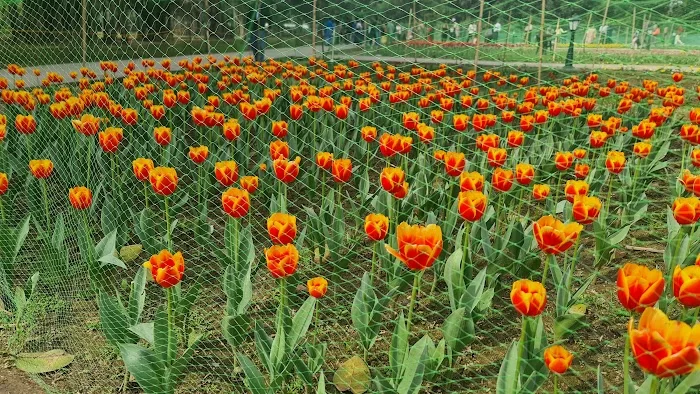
46, 203
89, 160
654, 385
167, 226
521, 347
2, 211
414, 290
199, 187
466, 262
609, 197
556, 192
314, 338
572, 266
626, 364
145, 193
374, 262
556, 383
235, 250
546, 268
323, 187
125, 383
171, 334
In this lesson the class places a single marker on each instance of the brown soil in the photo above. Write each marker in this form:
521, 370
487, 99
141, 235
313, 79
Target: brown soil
14, 381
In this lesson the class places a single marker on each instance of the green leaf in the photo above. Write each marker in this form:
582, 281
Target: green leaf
263, 346
144, 331
147, 369
568, 324
458, 330
601, 382
475, 291
398, 349
137, 296
507, 374
182, 362
454, 278
688, 382
619, 235
321, 384
235, 329
161, 340
59, 233
300, 323
20, 237
113, 319
414, 368
43, 362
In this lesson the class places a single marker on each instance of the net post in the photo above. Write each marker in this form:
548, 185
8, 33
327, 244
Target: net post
605, 17
541, 51
206, 25
503, 55
84, 31
588, 25
478, 34
313, 30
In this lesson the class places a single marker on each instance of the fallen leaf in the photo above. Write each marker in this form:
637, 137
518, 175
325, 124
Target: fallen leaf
43, 362
352, 375
130, 253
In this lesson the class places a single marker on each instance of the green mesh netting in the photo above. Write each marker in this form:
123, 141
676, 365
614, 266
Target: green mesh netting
385, 196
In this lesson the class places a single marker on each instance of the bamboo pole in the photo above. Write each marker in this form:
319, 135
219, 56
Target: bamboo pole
541, 51
478, 34
556, 40
634, 22
313, 30
84, 31
605, 17
503, 55
527, 37
207, 22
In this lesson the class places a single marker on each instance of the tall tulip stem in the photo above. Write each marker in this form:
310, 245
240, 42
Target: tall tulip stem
414, 290
167, 226
609, 197
45, 197
626, 364
374, 261
556, 383
521, 348
546, 268
145, 193
171, 335
2, 211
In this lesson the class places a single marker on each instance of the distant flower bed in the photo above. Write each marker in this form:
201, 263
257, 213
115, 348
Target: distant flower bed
458, 44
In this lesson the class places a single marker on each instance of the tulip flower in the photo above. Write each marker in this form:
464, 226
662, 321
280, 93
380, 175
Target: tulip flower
166, 269
497, 157
142, 167
663, 347
376, 226
471, 181
80, 197
235, 202
471, 205
324, 160
162, 135
282, 260
249, 183
686, 210
515, 138
524, 173
286, 170
282, 228
411, 120
557, 359
369, 133
540, 191
553, 236
575, 188
87, 125
502, 180
563, 160
454, 163
110, 138
460, 122
279, 129
25, 124
41, 169
642, 149
341, 170
615, 162
317, 287
163, 180
418, 246
392, 179
425, 133
226, 172
585, 209
528, 297
639, 287
198, 154
686, 285
279, 150
295, 111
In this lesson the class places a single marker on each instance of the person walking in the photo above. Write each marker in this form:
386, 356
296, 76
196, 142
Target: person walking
677, 36
496, 29
471, 33
328, 31
257, 36
635, 39
528, 31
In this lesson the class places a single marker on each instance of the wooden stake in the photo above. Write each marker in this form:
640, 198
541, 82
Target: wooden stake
605, 17
503, 56
539, 66
313, 30
588, 25
527, 37
478, 34
634, 22
84, 31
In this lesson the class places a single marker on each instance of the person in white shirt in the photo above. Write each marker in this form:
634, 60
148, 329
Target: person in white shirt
496, 30
471, 33
528, 30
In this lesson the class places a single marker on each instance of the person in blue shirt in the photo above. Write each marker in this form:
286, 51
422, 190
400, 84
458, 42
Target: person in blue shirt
328, 30
257, 35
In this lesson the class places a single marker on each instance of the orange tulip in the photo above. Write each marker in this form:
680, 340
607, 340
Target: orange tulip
392, 179
376, 226
471, 205
142, 167
454, 163
694, 115
502, 180
515, 138
248, 110
369, 133
615, 162
25, 124
87, 125
183, 97
575, 188
163, 180
695, 157
235, 202
664, 347
581, 170
585, 209
41, 169
597, 139
282, 260
279, 149
579, 153
279, 129
644, 130
527, 123
324, 160
129, 116
690, 133
524, 173
557, 359
436, 116
226, 172
157, 111
563, 160
686, 210
341, 170
167, 269
295, 111
231, 130
425, 133
487, 141
110, 138
286, 170
594, 120
528, 297
4, 183
410, 120
163, 135
497, 157
418, 246
282, 228
80, 197
642, 149
686, 285
317, 287
460, 122
540, 191
553, 236
471, 181
249, 183
341, 111
199, 154
639, 287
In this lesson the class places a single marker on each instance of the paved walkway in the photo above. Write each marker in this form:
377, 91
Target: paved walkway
339, 54
66, 68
